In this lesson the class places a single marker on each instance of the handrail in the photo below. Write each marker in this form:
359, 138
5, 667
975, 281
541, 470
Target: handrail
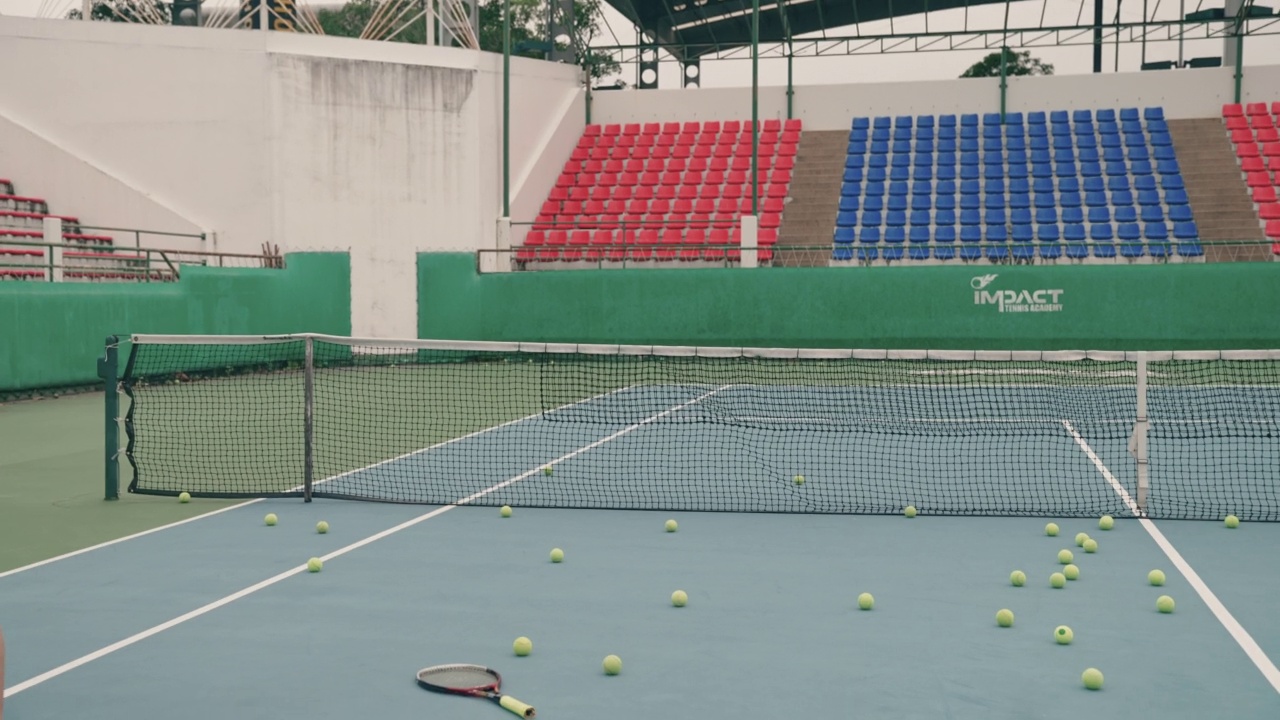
138, 262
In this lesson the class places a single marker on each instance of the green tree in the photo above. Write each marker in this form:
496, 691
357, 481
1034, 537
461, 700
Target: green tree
1019, 63
124, 11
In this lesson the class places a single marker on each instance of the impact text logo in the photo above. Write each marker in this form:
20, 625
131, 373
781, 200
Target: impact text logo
1040, 300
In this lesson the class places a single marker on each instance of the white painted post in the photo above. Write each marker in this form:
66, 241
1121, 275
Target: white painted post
53, 234
750, 258
499, 261
86, 9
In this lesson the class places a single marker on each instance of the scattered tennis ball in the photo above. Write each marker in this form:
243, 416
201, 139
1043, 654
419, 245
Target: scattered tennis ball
1017, 578
679, 598
1080, 538
1063, 635
1065, 557
1092, 679
315, 565
1156, 577
557, 555
270, 519
1106, 522
547, 470
1004, 618
1164, 604
1051, 529
612, 665
1058, 580
522, 646
910, 511
322, 527
799, 479
505, 511
866, 601
184, 497
672, 526
1091, 545
1071, 572
1232, 521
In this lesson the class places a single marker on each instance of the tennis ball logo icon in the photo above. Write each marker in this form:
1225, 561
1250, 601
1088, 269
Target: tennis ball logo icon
982, 281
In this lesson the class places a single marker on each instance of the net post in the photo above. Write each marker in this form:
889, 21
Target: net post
109, 371
1139, 441
308, 424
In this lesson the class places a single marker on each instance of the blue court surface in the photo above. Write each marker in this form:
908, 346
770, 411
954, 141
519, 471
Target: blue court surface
218, 617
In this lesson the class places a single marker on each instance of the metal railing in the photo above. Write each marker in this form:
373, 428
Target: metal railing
137, 234
52, 262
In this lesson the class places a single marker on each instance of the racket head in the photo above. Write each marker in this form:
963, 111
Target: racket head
460, 679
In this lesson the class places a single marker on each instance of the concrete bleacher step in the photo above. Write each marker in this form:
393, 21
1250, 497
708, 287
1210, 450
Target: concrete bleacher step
810, 217
1216, 189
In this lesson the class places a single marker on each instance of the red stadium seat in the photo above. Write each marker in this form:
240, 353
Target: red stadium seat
1232, 110
1262, 195
1244, 150
1260, 122
1273, 229
1258, 179
1270, 211
688, 192
1237, 123
1252, 164
1255, 109
1242, 135
631, 129
612, 130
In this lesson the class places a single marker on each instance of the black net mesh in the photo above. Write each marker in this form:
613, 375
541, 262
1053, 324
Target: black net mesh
712, 431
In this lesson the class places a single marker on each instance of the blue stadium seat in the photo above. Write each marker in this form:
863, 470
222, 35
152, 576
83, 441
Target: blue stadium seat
1082, 129
1020, 201
946, 121
1148, 197
879, 147
1130, 127
922, 172
1126, 213
1159, 250
903, 121
993, 157
1104, 250
1113, 154
1041, 170
1090, 169
947, 133
1128, 114
1099, 215
895, 219
1108, 127
920, 217
1135, 140
922, 159
1019, 185
1015, 143
997, 253
946, 187
919, 234
1179, 213
844, 235
1088, 146
1161, 139
853, 175
1155, 126
947, 146
1082, 116
895, 235
1035, 118
1129, 232
1023, 234
924, 121
881, 135
901, 147
1115, 184
1163, 153
1105, 115
855, 161
1063, 142
1144, 182
922, 187
1050, 251
968, 158
867, 254
1043, 185
1190, 249
1077, 250
1094, 184
991, 119
896, 203
970, 217
945, 202
1064, 155
1047, 215
1122, 198
875, 188
900, 174
1168, 167
1152, 213
945, 216
996, 200
1045, 200
1117, 169
1059, 116
1048, 233
970, 233
970, 202
1039, 143
969, 120
923, 133
970, 252
970, 187
993, 185
992, 133
1037, 132
872, 218
1069, 200
879, 162
882, 122
848, 203
995, 216
861, 123
1176, 196
969, 133
1017, 172
924, 146
1186, 230
996, 233
1095, 199
1110, 141
846, 219
842, 254
872, 203
856, 148
1073, 232
1020, 216
1102, 232
1139, 153
1072, 215
1153, 113
869, 235
1065, 170
1132, 250
921, 203
1155, 232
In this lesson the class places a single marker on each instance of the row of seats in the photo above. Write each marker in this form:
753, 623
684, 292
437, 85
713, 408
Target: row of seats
1017, 253
716, 244
1000, 233
1255, 133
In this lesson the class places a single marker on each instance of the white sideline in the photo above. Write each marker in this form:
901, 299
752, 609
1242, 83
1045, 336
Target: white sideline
210, 607
1224, 616
211, 513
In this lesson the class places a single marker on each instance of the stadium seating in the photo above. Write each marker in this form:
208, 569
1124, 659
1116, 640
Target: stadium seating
22, 221
1255, 133
1077, 186
664, 192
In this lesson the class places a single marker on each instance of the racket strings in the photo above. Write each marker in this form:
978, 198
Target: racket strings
459, 677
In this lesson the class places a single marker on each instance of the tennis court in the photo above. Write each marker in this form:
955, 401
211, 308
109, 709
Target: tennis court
218, 617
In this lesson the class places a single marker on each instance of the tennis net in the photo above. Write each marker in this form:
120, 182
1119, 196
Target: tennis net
1165, 435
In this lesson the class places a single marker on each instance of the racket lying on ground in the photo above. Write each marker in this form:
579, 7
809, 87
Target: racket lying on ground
473, 681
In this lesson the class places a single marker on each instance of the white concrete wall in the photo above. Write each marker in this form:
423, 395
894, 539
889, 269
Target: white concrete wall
1182, 93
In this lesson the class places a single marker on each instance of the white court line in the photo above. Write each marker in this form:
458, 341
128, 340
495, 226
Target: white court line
210, 607
219, 511
1233, 626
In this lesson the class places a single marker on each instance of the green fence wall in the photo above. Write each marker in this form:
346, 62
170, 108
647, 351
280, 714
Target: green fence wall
1131, 307
52, 333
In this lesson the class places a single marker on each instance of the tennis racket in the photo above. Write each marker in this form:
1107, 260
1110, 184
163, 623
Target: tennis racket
472, 681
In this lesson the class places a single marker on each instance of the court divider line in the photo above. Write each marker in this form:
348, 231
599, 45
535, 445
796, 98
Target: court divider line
210, 607
219, 511
1233, 627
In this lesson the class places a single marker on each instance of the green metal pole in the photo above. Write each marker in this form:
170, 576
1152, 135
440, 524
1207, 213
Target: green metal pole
1239, 63
109, 371
588, 98
755, 107
1004, 80
790, 88
506, 108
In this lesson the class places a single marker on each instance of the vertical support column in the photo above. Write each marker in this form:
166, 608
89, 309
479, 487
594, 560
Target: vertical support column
755, 107
53, 234
1097, 36
109, 371
308, 417
1138, 440
791, 88
647, 68
749, 244
1004, 80
1232, 13
1182, 29
1239, 65
506, 108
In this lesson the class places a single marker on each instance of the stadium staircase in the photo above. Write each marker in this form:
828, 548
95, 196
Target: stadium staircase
814, 200
1216, 189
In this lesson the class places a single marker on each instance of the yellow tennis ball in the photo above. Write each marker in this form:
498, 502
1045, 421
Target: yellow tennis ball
1051, 529
1164, 604
612, 665
910, 511
1080, 538
1156, 577
1091, 545
679, 598
1092, 679
1017, 578
270, 519
547, 470
1106, 522
184, 497
799, 479
1065, 557
671, 526
1233, 521
866, 601
505, 511
522, 646
1004, 618
315, 565
322, 527
1063, 635
557, 555
1071, 572
1058, 581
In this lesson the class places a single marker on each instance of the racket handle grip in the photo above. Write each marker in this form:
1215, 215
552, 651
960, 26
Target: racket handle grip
516, 706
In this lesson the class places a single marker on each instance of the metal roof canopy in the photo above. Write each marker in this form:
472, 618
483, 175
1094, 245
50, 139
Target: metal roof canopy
691, 28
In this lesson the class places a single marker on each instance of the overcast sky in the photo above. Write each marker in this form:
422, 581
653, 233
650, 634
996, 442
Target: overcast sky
898, 66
